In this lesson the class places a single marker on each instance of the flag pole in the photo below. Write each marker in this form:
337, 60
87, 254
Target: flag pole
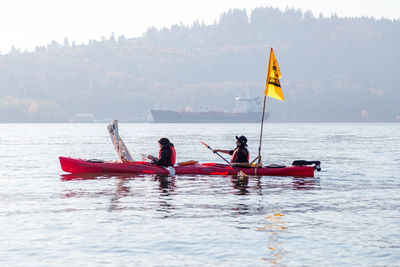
262, 124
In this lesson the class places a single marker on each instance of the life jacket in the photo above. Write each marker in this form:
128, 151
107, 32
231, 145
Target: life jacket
173, 154
235, 154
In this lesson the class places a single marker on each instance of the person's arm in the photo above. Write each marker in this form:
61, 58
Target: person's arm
223, 151
165, 154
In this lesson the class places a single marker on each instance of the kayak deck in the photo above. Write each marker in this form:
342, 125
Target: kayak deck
73, 165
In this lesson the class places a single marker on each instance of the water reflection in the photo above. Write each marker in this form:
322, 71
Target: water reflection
81, 176
305, 183
166, 183
292, 183
275, 224
121, 191
94, 176
241, 184
166, 187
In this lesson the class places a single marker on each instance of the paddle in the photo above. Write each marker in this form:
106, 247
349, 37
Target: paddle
242, 174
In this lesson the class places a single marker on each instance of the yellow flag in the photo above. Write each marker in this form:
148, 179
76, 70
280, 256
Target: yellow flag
273, 86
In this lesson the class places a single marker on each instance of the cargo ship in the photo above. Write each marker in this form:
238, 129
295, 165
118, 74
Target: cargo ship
246, 110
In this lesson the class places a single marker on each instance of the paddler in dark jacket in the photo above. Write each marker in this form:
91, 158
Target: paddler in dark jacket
166, 155
240, 154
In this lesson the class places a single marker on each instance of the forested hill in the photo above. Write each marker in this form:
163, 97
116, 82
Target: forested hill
334, 69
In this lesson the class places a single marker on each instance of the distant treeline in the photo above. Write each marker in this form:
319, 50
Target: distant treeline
334, 69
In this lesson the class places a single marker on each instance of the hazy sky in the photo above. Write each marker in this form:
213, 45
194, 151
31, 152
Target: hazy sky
30, 23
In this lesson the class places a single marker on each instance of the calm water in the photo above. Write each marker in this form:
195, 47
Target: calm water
347, 215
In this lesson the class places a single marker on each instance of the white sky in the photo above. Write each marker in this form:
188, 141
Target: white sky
30, 23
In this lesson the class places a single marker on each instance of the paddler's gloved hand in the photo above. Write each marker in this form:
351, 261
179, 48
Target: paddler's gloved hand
152, 158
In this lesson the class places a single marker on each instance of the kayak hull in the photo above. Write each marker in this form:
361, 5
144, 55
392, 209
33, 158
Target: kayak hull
73, 165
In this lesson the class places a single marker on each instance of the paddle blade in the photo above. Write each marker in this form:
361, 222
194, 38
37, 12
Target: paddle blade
205, 145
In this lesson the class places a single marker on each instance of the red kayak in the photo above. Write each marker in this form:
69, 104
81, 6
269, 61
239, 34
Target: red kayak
298, 169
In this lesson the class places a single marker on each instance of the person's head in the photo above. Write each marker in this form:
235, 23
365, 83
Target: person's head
164, 141
241, 141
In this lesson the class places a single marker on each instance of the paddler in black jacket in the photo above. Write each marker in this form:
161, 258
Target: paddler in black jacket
166, 155
240, 154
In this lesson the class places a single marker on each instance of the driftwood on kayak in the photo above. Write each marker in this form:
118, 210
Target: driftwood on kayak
122, 150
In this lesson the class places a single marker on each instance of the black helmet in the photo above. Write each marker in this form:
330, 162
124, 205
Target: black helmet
164, 141
242, 139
